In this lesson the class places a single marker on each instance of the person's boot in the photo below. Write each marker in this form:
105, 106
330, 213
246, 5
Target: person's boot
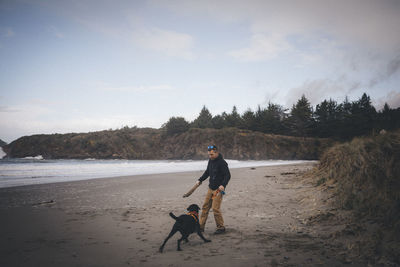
219, 231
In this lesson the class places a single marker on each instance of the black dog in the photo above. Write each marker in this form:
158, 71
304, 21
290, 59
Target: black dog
186, 225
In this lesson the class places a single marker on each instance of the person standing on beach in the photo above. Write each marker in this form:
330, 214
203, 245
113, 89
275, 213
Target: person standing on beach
218, 171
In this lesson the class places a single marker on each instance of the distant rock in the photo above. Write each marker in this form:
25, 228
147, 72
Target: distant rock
2, 143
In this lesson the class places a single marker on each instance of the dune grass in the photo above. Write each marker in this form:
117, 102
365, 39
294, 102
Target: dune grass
364, 175
367, 175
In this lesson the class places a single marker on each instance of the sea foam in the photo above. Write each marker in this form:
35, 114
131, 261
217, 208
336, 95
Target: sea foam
2, 153
35, 170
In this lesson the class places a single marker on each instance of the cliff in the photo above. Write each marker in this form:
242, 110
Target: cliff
147, 143
2, 143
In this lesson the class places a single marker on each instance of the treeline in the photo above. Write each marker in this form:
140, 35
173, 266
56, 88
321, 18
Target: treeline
329, 119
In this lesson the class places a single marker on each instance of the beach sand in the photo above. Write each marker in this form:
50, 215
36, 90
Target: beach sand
269, 214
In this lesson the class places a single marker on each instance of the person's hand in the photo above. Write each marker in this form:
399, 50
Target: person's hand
221, 187
198, 182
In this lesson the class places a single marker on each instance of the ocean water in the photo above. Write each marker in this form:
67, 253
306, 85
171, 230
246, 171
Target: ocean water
36, 170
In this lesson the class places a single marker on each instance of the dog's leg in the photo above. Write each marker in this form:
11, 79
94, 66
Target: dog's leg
179, 244
201, 235
184, 237
173, 231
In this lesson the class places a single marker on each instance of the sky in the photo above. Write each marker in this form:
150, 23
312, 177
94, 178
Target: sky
80, 66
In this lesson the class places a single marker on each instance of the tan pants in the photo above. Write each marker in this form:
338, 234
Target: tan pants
215, 204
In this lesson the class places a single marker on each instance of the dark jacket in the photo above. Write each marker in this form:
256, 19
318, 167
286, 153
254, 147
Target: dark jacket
218, 172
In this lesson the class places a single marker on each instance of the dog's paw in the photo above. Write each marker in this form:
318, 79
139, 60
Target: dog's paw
207, 240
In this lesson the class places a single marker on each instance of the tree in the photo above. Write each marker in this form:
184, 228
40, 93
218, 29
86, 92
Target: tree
218, 122
274, 117
248, 120
203, 120
363, 115
233, 119
176, 125
326, 118
301, 120
385, 119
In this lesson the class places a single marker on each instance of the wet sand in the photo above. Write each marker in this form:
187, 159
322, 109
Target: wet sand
272, 216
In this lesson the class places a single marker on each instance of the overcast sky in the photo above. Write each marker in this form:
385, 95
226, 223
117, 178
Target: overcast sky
78, 66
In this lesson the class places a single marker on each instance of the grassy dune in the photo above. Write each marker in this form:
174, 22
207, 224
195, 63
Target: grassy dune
364, 178
367, 173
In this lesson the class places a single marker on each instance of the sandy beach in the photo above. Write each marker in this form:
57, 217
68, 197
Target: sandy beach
271, 215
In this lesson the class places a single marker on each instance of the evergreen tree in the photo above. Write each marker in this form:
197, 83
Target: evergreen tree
248, 120
344, 115
233, 119
300, 120
270, 119
176, 125
274, 116
363, 115
330, 119
385, 118
388, 119
218, 122
326, 118
203, 120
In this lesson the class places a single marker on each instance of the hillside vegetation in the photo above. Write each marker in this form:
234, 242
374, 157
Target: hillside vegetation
364, 175
136, 143
329, 119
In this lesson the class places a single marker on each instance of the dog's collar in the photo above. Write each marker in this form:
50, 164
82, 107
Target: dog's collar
194, 214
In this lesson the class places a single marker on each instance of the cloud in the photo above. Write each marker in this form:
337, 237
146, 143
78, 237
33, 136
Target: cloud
7, 109
323, 89
21, 119
35, 118
392, 99
346, 28
262, 47
392, 67
169, 43
125, 21
105, 86
142, 88
317, 90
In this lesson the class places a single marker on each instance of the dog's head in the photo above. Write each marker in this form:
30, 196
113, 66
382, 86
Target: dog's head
193, 207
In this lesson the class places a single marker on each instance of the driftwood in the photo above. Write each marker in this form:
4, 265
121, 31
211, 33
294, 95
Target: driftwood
192, 190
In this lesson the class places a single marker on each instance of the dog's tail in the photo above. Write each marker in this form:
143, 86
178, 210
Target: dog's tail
173, 216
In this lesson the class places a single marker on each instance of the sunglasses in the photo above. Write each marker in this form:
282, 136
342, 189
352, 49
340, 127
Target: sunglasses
211, 148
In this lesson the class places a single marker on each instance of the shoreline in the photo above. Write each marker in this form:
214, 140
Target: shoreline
37, 180
123, 221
